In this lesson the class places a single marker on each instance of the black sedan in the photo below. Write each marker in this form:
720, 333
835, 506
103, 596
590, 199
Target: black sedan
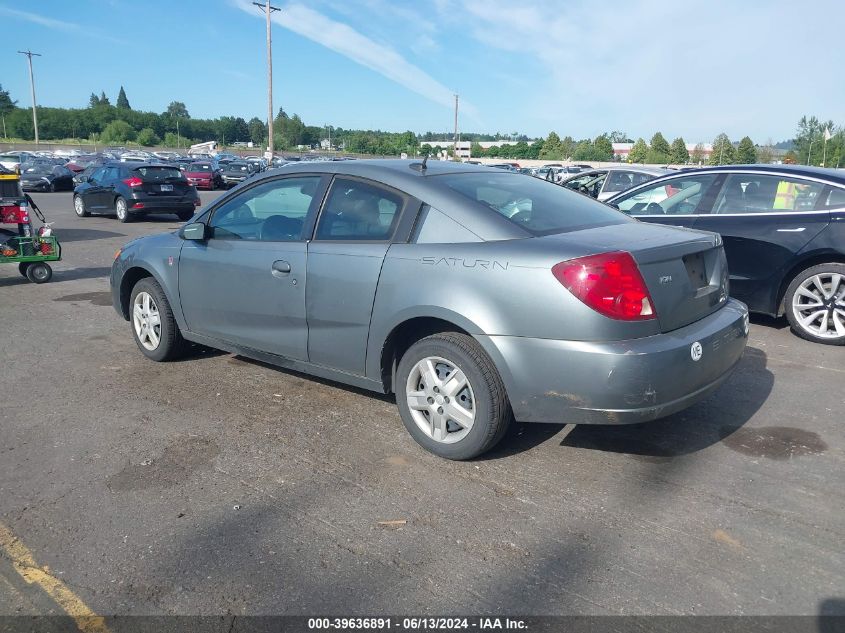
129, 190
46, 176
784, 234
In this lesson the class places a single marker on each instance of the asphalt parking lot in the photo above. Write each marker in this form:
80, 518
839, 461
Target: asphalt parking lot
217, 485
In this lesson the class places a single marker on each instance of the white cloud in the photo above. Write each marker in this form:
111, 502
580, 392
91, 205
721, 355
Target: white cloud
50, 23
352, 44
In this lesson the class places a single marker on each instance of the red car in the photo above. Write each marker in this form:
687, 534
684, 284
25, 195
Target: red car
203, 174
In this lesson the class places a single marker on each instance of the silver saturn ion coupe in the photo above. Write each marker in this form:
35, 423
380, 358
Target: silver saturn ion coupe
476, 295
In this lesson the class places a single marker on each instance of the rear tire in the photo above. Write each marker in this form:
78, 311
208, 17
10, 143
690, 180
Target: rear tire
121, 210
153, 326
815, 304
79, 207
460, 406
39, 272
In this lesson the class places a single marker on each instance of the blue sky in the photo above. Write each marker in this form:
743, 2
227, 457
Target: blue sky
580, 67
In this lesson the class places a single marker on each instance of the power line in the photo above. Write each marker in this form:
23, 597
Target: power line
29, 55
268, 10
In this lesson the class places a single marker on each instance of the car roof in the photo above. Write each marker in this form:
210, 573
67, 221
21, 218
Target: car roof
823, 173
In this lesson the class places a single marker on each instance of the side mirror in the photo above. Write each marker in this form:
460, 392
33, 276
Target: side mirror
194, 231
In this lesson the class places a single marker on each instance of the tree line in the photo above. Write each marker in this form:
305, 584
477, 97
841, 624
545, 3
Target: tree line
120, 124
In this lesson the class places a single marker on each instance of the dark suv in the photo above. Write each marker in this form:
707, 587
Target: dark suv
128, 190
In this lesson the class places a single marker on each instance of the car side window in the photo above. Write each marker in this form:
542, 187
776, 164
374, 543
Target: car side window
832, 198
358, 210
97, 176
678, 196
272, 211
618, 181
755, 193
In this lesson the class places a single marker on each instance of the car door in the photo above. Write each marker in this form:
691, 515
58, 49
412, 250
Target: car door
674, 201
246, 283
92, 193
764, 220
108, 187
354, 231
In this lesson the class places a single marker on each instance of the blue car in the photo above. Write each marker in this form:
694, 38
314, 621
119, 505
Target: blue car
783, 228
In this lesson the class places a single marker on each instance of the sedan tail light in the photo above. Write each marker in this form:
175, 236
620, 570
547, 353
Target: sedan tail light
610, 284
133, 182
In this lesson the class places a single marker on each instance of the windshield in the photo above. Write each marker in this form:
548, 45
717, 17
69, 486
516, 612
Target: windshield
156, 174
237, 167
36, 168
538, 206
195, 167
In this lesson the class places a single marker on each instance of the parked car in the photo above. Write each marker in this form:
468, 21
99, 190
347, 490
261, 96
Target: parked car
45, 175
602, 184
204, 174
129, 190
505, 166
11, 160
783, 228
235, 172
569, 319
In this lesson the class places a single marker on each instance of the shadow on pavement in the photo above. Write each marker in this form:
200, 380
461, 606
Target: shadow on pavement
59, 276
764, 320
693, 429
831, 618
84, 235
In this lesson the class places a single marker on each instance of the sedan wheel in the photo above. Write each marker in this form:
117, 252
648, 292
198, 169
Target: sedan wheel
451, 397
816, 309
153, 326
121, 210
440, 400
79, 207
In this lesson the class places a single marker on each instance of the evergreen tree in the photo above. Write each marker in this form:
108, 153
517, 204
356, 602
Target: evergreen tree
639, 152
746, 153
93, 101
122, 101
660, 145
723, 151
6, 103
679, 152
552, 147
104, 100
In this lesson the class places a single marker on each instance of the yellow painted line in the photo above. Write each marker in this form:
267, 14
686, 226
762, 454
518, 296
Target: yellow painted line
24, 563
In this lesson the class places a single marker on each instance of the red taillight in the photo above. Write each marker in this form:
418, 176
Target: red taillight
133, 182
610, 284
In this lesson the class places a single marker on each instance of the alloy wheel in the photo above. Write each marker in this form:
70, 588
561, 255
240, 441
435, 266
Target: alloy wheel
818, 305
440, 399
146, 321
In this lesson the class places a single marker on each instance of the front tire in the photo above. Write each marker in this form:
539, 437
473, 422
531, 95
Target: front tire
153, 326
79, 207
450, 396
121, 210
815, 304
39, 272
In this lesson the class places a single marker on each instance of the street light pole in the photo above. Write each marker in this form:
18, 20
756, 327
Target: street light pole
29, 55
268, 9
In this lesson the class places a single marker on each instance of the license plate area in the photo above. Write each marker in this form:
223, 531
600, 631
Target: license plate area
167, 188
697, 270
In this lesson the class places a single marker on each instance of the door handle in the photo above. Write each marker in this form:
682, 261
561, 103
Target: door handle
281, 266
798, 230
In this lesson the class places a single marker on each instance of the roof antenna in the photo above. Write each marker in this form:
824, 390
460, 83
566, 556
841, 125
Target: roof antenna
420, 166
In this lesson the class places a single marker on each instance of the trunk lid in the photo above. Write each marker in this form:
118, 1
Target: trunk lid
685, 270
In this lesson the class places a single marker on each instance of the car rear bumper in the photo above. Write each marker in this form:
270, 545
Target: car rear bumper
620, 382
154, 204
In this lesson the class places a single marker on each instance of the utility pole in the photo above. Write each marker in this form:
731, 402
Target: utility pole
456, 128
268, 9
29, 55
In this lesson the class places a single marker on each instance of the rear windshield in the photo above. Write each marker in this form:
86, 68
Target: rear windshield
156, 174
538, 206
194, 167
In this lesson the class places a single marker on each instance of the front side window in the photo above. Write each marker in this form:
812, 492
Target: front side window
678, 196
833, 198
274, 211
619, 181
538, 206
357, 210
755, 193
